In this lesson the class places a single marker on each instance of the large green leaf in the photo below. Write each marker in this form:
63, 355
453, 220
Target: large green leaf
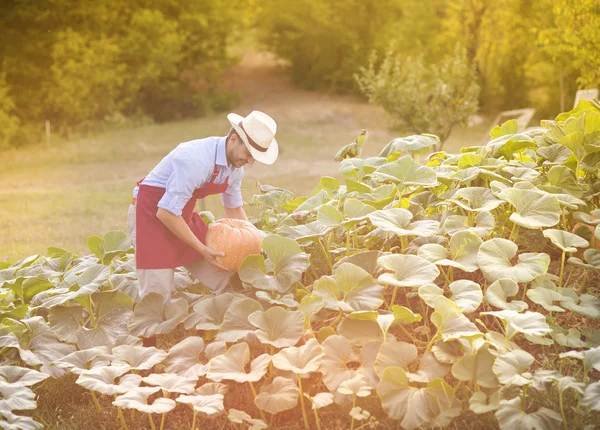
417, 144
533, 209
232, 365
584, 304
415, 407
235, 322
300, 360
483, 225
528, 323
476, 367
499, 292
481, 404
16, 398
79, 361
334, 364
184, 358
138, 399
111, 310
278, 326
38, 346
406, 171
408, 270
209, 312
495, 257
171, 382
398, 221
10, 421
545, 297
394, 353
512, 368
466, 294
284, 266
565, 241
104, 379
591, 397
206, 404
349, 289
464, 247
511, 416
402, 402
279, 395
450, 321
26, 287
151, 316
359, 168
138, 357
476, 199
21, 376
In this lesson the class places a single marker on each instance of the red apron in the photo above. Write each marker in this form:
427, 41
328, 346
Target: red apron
158, 248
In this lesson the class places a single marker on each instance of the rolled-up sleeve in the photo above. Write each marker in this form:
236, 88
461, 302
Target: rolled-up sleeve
232, 197
186, 176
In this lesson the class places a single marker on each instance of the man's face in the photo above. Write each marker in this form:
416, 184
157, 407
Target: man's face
238, 155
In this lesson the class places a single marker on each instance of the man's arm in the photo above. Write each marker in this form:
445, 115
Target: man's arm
237, 213
179, 228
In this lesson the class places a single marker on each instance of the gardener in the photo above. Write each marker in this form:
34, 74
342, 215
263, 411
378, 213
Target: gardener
166, 231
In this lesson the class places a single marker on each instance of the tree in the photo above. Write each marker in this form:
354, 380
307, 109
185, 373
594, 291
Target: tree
426, 98
572, 41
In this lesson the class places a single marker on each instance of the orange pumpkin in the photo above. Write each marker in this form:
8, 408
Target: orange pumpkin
236, 239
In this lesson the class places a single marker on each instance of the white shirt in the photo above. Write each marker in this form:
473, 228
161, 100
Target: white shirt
189, 166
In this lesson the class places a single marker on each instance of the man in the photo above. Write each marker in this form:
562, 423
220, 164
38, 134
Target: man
166, 231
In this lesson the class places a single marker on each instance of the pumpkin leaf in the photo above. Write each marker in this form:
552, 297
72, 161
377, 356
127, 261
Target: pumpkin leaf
480, 403
406, 171
279, 395
408, 270
483, 225
565, 241
300, 360
476, 367
208, 313
511, 416
151, 316
349, 289
171, 382
235, 322
207, 404
475, 199
500, 291
495, 256
398, 221
278, 326
284, 266
138, 357
184, 358
138, 399
533, 209
232, 365
102, 379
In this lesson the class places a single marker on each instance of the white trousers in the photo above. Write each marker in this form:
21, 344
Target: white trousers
161, 280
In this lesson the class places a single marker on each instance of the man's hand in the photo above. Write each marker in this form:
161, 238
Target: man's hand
179, 228
211, 255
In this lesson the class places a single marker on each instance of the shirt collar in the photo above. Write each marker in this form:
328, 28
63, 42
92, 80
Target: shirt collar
222, 152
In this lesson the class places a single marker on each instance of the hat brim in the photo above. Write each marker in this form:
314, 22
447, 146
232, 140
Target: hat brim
267, 157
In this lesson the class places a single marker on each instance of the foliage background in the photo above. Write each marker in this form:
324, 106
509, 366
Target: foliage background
78, 64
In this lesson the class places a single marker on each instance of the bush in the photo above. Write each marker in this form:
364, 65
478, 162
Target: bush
423, 97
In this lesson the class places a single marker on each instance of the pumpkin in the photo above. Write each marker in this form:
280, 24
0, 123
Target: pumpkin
236, 238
